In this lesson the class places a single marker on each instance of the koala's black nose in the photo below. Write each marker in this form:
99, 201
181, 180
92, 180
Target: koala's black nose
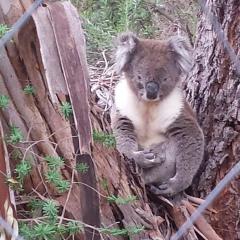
152, 89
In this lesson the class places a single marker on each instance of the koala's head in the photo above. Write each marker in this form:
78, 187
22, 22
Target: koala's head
152, 67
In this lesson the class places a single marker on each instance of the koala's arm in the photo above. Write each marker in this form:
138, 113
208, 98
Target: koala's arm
123, 131
188, 141
126, 141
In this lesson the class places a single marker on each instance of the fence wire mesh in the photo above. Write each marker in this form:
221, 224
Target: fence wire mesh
236, 62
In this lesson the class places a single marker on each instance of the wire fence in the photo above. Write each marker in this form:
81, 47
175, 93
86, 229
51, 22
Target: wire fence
235, 171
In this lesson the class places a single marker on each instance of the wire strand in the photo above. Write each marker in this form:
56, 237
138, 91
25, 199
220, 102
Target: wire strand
20, 23
209, 199
220, 35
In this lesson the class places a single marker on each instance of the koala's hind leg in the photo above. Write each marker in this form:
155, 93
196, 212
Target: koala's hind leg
189, 142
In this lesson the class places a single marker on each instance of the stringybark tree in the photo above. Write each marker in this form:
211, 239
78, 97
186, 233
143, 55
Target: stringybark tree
214, 91
49, 55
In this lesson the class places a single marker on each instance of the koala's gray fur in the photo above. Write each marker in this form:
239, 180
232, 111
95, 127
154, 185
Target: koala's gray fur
151, 121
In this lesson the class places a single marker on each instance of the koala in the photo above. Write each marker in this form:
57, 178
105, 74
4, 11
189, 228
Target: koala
151, 121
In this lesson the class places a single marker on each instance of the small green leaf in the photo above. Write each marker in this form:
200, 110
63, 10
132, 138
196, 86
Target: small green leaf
122, 232
50, 210
106, 139
23, 169
82, 167
53, 176
73, 228
63, 185
3, 29
4, 101
44, 231
35, 204
25, 231
15, 135
54, 162
66, 109
29, 90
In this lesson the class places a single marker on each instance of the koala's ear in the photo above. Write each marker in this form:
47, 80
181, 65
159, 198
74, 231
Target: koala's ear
126, 45
182, 52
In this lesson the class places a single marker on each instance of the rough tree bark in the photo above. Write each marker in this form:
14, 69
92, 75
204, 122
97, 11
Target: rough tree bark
214, 91
49, 54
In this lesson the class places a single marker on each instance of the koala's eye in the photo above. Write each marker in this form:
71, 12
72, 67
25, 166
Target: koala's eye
165, 79
140, 85
139, 77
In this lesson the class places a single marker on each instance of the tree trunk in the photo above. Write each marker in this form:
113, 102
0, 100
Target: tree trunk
213, 89
48, 54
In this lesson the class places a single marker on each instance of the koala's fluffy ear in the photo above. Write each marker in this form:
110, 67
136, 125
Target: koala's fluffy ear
126, 44
182, 51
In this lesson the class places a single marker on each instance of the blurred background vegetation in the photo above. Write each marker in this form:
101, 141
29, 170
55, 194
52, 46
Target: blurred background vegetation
104, 19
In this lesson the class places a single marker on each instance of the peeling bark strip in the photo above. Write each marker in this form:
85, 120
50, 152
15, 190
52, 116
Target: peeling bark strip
75, 72
73, 69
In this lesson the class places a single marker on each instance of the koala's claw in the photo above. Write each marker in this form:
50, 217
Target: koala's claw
163, 186
149, 155
145, 159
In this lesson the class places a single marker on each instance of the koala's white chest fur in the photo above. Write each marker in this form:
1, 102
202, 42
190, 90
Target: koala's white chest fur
150, 119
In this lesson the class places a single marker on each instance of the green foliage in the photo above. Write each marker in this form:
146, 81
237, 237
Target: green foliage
54, 162
106, 139
15, 135
3, 29
48, 228
53, 174
43, 231
122, 232
82, 167
25, 231
29, 90
66, 109
73, 228
50, 210
121, 200
106, 18
55, 178
4, 101
62, 185
23, 169
35, 204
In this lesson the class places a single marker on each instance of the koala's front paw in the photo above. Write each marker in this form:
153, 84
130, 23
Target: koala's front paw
145, 159
167, 189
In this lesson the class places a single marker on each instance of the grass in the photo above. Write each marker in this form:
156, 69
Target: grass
104, 19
